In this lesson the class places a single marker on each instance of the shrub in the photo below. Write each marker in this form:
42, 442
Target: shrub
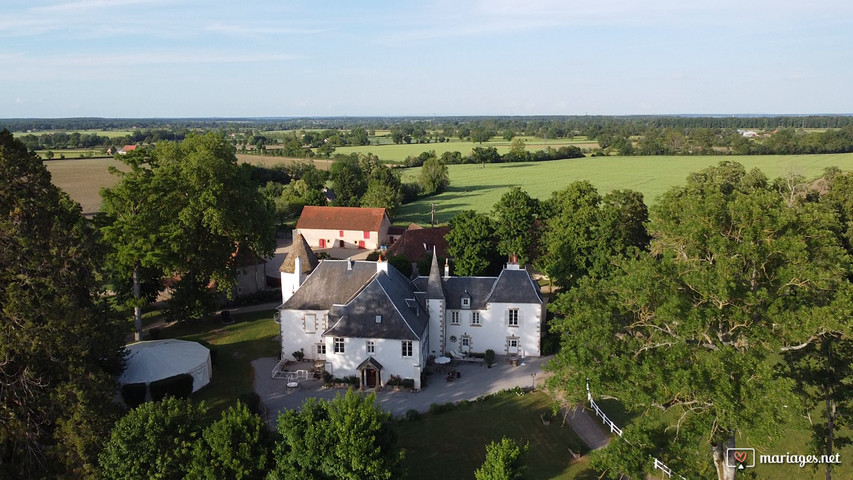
437, 408
178, 386
394, 381
408, 383
299, 355
490, 357
351, 380
372, 256
251, 400
412, 414
133, 394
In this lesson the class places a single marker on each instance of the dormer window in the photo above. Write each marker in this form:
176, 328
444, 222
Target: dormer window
466, 300
379, 319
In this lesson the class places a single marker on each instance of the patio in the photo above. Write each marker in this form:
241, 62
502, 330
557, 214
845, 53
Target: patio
474, 380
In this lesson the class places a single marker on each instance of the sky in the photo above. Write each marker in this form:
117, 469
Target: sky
252, 58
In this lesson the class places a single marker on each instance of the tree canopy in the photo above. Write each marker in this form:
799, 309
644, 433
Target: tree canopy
735, 274
505, 460
471, 243
347, 438
59, 352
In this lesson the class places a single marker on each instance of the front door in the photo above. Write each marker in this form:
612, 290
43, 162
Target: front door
361, 244
322, 243
370, 381
342, 244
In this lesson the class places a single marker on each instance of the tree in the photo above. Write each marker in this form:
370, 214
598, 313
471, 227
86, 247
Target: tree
154, 440
471, 243
216, 212
59, 351
433, 178
132, 216
346, 438
823, 374
734, 276
585, 234
515, 214
236, 447
504, 461
348, 181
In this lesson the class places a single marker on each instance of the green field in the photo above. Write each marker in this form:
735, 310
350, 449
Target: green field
397, 153
83, 179
473, 187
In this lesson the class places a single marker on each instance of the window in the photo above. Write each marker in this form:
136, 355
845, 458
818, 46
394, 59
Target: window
341, 233
466, 302
454, 318
407, 348
366, 235
339, 345
321, 349
466, 341
371, 346
512, 345
475, 319
512, 319
379, 319
310, 323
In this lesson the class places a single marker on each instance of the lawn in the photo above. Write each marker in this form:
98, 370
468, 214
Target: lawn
252, 336
452, 445
473, 187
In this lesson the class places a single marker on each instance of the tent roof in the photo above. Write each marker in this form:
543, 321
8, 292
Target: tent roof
158, 359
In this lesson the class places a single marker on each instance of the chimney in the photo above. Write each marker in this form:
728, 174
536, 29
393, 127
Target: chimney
297, 270
446, 268
381, 265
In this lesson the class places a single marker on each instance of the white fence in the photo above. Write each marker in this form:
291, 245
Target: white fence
615, 429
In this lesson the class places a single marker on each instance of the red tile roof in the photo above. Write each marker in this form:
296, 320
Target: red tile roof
414, 244
341, 218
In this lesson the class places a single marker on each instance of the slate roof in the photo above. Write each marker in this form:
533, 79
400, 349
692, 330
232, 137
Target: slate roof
386, 296
341, 218
515, 286
299, 249
331, 283
434, 287
416, 244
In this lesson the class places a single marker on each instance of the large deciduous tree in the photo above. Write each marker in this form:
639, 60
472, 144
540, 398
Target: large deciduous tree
585, 233
187, 208
57, 347
154, 440
235, 447
347, 438
685, 335
514, 215
471, 243
132, 215
434, 177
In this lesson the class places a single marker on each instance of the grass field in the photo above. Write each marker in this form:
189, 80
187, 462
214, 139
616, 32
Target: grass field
252, 336
473, 187
83, 179
452, 445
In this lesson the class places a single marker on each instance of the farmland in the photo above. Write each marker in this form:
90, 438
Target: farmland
473, 187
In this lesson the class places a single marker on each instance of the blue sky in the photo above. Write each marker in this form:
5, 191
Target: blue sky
181, 58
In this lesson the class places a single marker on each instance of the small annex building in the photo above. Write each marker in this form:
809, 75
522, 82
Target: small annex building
366, 319
343, 227
154, 360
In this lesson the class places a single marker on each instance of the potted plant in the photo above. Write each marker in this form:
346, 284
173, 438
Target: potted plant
490, 358
299, 355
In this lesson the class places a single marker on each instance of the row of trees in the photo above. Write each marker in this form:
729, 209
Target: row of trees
480, 155
59, 140
575, 233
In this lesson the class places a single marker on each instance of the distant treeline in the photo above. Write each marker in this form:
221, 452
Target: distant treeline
57, 140
490, 155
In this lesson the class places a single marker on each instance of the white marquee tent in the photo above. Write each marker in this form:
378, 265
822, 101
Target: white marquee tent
157, 359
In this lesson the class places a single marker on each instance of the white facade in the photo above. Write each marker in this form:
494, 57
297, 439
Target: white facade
388, 352
490, 329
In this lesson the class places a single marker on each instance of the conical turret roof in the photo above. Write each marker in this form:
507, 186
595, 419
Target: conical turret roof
434, 289
299, 249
